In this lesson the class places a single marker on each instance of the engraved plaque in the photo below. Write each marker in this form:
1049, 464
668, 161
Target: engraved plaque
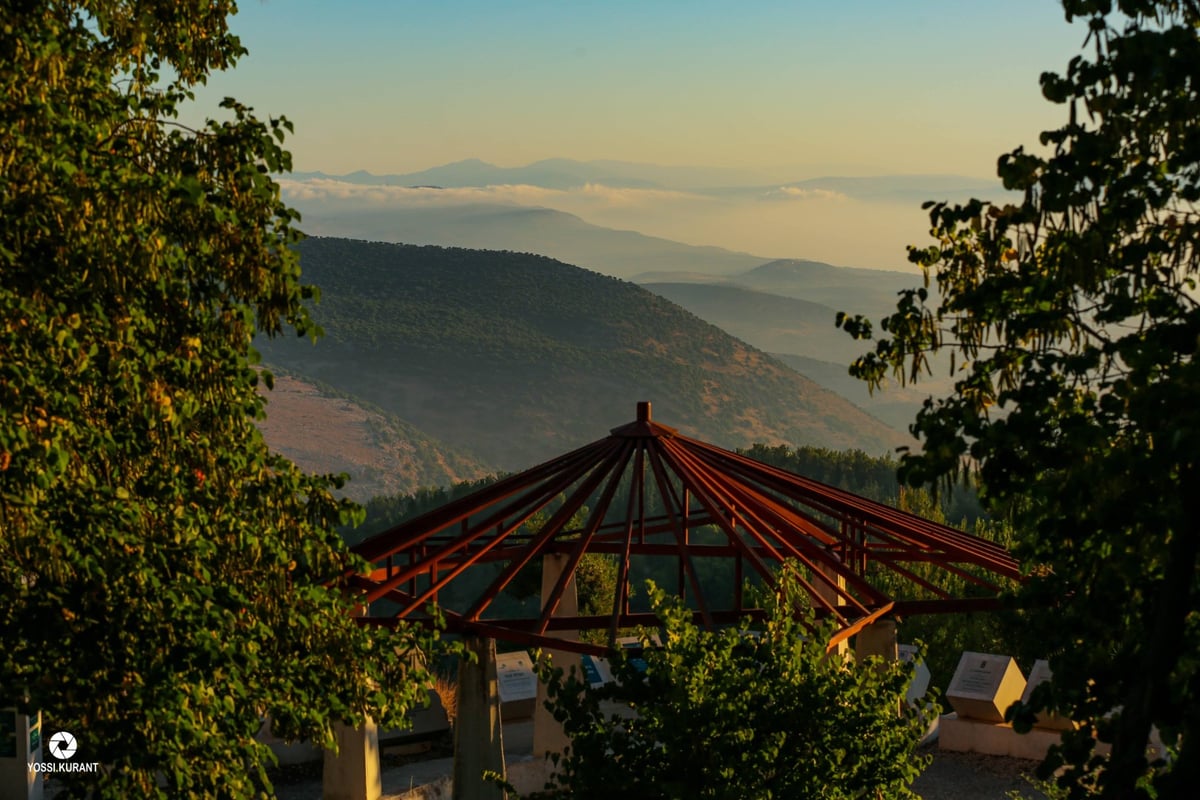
984, 686
516, 683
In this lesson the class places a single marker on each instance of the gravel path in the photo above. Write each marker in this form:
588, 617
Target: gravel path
954, 776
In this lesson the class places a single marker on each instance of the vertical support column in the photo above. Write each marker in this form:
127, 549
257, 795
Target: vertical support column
478, 739
20, 746
548, 734
878, 639
353, 772
828, 593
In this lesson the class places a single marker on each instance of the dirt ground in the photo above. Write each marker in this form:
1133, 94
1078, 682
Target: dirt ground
953, 776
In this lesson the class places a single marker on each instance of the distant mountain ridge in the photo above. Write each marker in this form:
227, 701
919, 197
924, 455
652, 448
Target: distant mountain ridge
871, 292
514, 358
773, 323
565, 173
549, 173
555, 234
801, 333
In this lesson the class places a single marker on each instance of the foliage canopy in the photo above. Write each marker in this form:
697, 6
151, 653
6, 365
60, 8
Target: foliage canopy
162, 574
1074, 319
738, 715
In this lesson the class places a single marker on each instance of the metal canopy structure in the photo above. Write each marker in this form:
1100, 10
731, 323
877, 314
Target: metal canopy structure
644, 493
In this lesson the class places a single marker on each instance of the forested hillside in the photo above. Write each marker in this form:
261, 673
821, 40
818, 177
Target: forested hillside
516, 358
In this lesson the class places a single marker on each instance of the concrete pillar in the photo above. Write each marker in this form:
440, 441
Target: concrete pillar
878, 639
548, 734
478, 740
829, 595
20, 745
353, 772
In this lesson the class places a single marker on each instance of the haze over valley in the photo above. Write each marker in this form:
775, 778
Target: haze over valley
499, 394
754, 172
504, 360
863, 221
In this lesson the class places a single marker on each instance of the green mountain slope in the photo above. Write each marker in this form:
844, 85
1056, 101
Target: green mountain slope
516, 358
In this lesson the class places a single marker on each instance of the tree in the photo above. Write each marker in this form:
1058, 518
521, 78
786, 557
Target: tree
1073, 316
732, 714
164, 578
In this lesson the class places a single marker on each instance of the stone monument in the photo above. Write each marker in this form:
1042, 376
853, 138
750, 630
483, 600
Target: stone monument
984, 686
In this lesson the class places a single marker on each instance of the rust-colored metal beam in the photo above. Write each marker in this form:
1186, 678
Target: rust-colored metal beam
580, 547
768, 519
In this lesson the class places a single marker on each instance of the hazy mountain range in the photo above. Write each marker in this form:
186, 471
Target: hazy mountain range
446, 364
509, 359
859, 220
554, 234
564, 173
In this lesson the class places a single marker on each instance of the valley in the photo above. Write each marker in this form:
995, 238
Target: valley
511, 358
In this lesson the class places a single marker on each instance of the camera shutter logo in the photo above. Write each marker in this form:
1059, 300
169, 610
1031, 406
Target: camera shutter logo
63, 745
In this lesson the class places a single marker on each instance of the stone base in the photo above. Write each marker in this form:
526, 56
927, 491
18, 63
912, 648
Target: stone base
999, 739
514, 710
993, 738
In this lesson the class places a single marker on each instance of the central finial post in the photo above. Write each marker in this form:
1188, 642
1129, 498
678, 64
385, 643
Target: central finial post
643, 411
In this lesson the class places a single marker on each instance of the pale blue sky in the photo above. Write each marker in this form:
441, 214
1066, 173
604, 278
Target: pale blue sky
861, 86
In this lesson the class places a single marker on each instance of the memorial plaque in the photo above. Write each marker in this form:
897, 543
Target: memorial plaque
1038, 675
596, 671
516, 683
635, 643
920, 682
984, 686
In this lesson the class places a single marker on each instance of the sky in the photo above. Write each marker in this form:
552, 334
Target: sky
796, 89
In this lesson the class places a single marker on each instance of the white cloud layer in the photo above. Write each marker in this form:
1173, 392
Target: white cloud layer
788, 222
594, 195
800, 193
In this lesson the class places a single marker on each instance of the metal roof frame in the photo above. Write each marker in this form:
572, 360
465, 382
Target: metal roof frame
674, 484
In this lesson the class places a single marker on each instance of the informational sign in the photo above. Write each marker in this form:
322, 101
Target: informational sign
634, 643
516, 683
1038, 675
596, 671
984, 686
920, 682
